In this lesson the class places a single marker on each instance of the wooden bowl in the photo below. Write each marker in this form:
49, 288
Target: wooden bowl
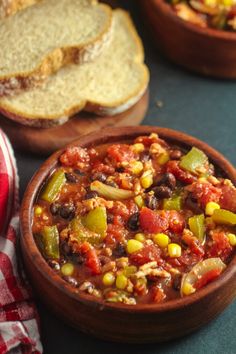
120, 322
204, 50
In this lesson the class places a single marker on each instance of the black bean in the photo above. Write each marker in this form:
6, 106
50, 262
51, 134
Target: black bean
133, 222
77, 258
175, 154
151, 202
120, 169
71, 178
67, 211
55, 208
177, 282
144, 156
162, 192
79, 173
54, 264
71, 280
119, 250
192, 204
167, 179
110, 218
91, 195
98, 176
104, 260
62, 261
65, 248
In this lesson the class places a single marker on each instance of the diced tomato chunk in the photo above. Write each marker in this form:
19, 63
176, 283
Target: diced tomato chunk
186, 259
153, 221
207, 278
84, 247
74, 156
115, 234
147, 254
181, 175
157, 294
92, 262
205, 192
228, 198
98, 166
221, 246
176, 222
121, 152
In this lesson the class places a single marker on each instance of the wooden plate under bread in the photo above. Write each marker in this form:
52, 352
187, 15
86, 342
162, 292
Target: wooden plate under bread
45, 141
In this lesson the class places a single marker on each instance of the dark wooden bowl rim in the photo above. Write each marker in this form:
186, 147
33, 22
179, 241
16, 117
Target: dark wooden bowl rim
209, 32
117, 134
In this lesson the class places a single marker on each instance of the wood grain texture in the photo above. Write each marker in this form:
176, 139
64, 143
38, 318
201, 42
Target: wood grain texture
45, 141
120, 322
206, 51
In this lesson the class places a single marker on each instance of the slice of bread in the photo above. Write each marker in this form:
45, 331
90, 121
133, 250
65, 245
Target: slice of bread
10, 7
42, 38
109, 85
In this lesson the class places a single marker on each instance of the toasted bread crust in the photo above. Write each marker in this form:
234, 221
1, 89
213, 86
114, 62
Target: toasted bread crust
16, 82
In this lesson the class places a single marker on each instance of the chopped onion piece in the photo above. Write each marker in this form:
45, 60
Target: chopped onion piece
110, 192
199, 270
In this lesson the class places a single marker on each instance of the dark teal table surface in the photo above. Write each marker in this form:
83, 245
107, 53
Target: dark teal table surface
205, 108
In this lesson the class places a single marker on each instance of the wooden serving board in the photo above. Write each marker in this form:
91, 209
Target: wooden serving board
45, 141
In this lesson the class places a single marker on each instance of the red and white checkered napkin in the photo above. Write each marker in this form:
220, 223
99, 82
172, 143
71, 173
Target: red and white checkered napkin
18, 316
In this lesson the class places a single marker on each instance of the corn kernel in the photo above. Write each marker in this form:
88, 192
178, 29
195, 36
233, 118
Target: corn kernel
188, 289
163, 158
140, 237
227, 3
67, 269
161, 240
211, 3
146, 180
108, 279
134, 246
202, 179
138, 147
211, 207
121, 281
38, 210
232, 239
139, 201
129, 270
174, 250
136, 167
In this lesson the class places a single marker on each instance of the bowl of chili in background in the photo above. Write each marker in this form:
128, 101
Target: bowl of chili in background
142, 322
208, 51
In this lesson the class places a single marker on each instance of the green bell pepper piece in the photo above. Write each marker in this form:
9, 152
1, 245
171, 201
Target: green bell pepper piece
173, 203
96, 220
83, 234
53, 186
193, 160
50, 241
197, 226
222, 216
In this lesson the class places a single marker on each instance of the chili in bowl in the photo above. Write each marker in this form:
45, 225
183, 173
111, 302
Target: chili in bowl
132, 223
195, 40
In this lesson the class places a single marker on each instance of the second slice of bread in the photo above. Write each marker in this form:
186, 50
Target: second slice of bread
42, 38
109, 85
